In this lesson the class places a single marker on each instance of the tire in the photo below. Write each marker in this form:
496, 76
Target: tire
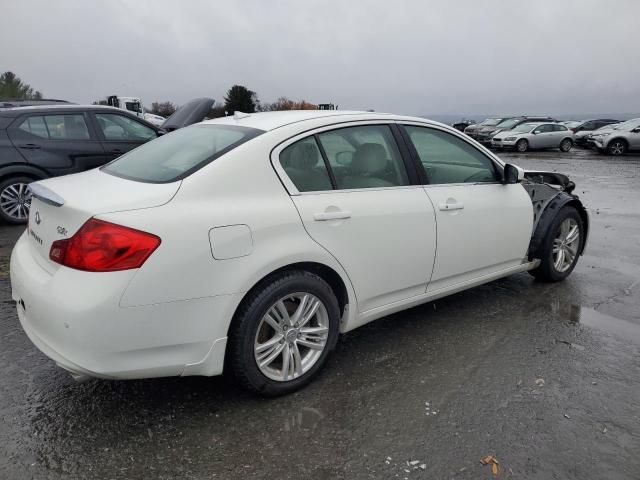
250, 334
522, 145
617, 147
565, 145
549, 269
15, 200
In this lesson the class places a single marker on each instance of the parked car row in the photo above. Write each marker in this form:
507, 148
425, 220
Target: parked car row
523, 133
43, 141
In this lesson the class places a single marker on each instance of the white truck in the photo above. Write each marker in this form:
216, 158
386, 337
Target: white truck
134, 105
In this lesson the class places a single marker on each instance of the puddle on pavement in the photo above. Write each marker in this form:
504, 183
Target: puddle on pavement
594, 319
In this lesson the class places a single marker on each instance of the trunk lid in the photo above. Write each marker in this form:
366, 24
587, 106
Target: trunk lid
60, 206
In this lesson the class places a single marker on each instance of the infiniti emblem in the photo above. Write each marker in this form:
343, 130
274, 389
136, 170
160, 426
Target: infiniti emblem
38, 218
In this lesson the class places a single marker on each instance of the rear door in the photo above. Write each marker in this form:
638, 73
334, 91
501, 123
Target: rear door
60, 143
357, 199
120, 133
483, 225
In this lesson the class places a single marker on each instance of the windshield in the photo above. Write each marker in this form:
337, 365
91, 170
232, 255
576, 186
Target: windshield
489, 122
178, 154
509, 124
133, 107
628, 125
523, 128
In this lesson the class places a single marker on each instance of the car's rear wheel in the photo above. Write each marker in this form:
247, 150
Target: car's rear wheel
617, 147
283, 333
522, 145
15, 199
561, 246
565, 145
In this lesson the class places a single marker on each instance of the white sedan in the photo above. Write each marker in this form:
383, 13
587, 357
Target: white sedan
250, 242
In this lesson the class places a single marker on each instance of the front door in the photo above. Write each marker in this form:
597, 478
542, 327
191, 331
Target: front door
483, 225
355, 200
121, 133
544, 136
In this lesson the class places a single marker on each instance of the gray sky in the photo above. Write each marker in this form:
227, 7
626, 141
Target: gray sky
414, 57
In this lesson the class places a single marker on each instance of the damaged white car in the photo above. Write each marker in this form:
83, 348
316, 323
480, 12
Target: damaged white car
251, 242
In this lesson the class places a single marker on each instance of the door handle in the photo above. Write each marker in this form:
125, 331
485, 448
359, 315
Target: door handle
451, 206
29, 146
337, 215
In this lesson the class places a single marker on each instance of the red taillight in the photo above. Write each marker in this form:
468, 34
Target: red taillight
104, 247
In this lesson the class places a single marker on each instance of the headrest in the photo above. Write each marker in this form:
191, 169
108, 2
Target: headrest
369, 158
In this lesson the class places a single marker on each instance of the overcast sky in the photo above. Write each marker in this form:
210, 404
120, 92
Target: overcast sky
414, 57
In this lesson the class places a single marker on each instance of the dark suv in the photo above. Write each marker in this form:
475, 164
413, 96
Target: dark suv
47, 141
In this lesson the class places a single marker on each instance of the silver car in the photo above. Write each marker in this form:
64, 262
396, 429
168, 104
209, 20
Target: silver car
535, 136
620, 139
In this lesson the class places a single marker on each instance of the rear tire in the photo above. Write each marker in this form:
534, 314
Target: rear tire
522, 145
565, 145
15, 200
617, 147
274, 353
559, 252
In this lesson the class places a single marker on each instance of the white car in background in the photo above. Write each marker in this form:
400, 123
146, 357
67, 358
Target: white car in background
535, 136
619, 139
250, 242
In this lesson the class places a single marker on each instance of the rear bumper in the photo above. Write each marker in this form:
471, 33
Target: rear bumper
75, 319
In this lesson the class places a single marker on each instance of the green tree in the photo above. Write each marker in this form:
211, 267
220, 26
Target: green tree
12, 87
240, 99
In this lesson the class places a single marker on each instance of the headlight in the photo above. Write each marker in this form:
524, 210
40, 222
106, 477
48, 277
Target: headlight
509, 139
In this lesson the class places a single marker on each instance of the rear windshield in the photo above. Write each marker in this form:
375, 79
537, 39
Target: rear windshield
178, 154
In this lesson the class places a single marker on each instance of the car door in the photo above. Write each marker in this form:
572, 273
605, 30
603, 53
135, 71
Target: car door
544, 136
357, 199
60, 142
120, 133
484, 226
634, 138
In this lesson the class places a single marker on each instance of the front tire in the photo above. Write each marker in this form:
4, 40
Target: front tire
617, 147
522, 145
561, 246
283, 333
15, 200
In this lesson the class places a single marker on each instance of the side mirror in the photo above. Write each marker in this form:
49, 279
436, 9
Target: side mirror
535, 132
513, 174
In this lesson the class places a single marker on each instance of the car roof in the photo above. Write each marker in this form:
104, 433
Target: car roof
15, 111
272, 120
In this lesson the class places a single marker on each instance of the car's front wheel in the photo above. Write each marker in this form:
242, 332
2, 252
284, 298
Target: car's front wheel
561, 246
617, 147
15, 199
283, 333
522, 145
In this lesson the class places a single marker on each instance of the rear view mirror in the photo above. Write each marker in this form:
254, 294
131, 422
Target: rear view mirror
513, 174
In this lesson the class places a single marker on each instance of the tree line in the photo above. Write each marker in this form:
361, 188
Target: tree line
237, 99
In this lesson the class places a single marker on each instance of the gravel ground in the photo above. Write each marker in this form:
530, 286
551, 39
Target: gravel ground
544, 377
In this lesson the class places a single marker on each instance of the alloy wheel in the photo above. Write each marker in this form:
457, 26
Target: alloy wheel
617, 148
291, 336
15, 201
565, 245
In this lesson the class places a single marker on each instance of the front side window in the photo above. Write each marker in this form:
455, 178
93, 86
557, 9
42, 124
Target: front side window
67, 127
364, 157
120, 128
544, 129
449, 159
178, 154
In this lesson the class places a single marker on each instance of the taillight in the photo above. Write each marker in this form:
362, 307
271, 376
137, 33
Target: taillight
101, 246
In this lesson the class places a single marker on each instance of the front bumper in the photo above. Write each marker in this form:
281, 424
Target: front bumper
75, 319
506, 145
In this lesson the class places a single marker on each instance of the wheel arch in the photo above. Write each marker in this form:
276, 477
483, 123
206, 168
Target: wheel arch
337, 283
622, 139
23, 170
546, 218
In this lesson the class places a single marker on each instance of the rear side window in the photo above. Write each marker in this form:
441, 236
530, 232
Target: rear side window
56, 127
449, 159
35, 126
305, 167
178, 154
559, 128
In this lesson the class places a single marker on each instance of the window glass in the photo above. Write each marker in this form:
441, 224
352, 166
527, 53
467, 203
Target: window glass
544, 128
121, 128
180, 153
305, 167
35, 126
588, 126
67, 127
559, 128
449, 159
364, 157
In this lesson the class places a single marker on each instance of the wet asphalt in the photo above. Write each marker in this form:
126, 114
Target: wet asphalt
545, 377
